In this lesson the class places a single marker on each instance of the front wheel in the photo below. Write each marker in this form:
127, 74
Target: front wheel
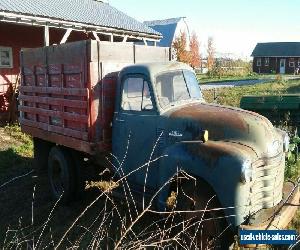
61, 174
206, 229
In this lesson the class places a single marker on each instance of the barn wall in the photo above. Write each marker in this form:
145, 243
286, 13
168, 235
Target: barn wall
19, 36
16, 37
23, 36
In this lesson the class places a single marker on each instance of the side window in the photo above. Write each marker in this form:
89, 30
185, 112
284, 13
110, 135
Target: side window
291, 63
258, 62
136, 95
6, 60
267, 61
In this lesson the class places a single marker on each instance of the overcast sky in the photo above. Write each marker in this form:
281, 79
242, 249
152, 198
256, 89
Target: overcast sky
235, 25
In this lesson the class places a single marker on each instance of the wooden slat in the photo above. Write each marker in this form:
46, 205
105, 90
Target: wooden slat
77, 144
68, 132
51, 128
55, 90
54, 113
55, 101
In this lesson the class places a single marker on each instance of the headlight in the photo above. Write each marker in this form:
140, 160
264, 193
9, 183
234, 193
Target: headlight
286, 143
273, 148
246, 175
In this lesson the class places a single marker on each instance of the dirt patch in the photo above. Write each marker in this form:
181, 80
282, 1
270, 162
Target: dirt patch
6, 140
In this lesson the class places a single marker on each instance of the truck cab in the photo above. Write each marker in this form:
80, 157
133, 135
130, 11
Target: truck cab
145, 94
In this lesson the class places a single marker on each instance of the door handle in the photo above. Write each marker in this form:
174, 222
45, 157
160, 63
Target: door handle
119, 120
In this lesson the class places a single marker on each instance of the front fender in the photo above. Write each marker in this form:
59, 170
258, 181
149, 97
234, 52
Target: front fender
218, 163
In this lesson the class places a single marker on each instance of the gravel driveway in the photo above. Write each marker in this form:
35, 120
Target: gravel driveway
230, 84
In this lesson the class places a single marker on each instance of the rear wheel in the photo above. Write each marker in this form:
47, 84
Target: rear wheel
41, 150
61, 174
204, 229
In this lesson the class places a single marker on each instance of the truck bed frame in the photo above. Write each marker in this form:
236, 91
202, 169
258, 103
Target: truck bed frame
67, 91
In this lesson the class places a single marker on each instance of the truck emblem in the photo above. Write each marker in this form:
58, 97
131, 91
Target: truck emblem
175, 134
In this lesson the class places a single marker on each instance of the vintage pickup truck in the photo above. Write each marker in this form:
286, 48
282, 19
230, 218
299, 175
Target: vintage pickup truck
86, 99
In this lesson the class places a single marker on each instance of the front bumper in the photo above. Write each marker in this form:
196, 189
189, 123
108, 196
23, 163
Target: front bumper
277, 217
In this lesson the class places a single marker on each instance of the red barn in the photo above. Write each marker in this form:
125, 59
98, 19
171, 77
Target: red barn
29, 24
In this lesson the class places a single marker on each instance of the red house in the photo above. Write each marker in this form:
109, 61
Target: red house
276, 57
29, 24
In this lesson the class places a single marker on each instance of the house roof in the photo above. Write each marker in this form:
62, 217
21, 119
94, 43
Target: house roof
89, 12
167, 28
163, 22
277, 49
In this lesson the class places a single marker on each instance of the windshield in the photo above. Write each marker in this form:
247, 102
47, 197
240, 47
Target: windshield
174, 86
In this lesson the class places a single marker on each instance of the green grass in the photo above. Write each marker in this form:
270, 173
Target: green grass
232, 96
292, 170
26, 147
18, 150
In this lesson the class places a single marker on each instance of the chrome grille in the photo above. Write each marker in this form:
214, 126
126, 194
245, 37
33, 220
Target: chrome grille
268, 177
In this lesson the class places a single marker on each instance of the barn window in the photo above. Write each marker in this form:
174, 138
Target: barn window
6, 60
267, 61
299, 62
291, 63
258, 62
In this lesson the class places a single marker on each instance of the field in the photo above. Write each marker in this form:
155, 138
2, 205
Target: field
29, 215
232, 96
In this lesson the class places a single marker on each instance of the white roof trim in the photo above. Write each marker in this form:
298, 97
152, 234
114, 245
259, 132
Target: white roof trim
56, 23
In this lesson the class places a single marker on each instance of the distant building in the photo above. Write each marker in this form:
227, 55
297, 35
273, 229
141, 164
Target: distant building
32, 23
170, 29
276, 57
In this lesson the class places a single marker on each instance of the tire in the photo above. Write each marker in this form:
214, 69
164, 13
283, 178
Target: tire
206, 230
80, 169
61, 174
41, 150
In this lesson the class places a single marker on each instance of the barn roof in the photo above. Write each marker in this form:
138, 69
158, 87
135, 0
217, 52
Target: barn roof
167, 28
277, 49
87, 12
164, 21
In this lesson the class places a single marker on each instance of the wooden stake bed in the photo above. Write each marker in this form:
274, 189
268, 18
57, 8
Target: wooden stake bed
67, 91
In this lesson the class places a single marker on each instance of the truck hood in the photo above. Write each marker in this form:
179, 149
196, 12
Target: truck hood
228, 124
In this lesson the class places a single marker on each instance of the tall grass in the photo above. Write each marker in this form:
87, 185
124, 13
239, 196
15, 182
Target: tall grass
118, 225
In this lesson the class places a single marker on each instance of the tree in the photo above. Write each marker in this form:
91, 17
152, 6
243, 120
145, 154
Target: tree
210, 53
195, 57
179, 46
